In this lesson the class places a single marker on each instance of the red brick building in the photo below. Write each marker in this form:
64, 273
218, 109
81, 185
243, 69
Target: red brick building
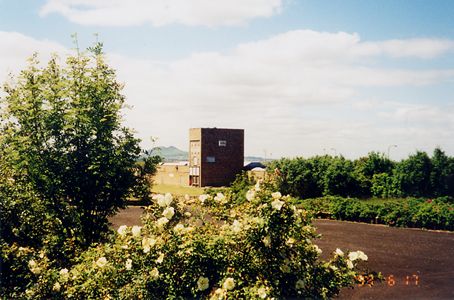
216, 155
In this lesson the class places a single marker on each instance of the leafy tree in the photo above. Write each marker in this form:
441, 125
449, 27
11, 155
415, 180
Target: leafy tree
442, 174
413, 175
61, 136
366, 167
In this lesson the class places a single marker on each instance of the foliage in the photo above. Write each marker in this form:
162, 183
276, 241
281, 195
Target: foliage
435, 213
262, 248
373, 175
66, 162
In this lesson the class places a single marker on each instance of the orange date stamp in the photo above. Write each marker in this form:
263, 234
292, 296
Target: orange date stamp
408, 280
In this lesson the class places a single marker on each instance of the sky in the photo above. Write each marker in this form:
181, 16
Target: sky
302, 77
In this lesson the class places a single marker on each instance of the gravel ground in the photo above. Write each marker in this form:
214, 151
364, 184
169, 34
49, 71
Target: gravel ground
417, 264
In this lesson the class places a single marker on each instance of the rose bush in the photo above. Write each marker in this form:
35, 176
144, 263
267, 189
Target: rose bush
263, 248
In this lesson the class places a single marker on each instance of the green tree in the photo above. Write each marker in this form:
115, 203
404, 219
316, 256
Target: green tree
413, 175
442, 174
61, 133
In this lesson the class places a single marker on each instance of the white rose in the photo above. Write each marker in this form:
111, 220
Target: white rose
362, 255
136, 231
56, 287
128, 264
168, 199
250, 195
236, 226
168, 212
349, 264
276, 195
219, 197
160, 258
203, 283
339, 252
154, 274
277, 204
147, 243
261, 292
319, 251
162, 221
229, 284
122, 230
64, 275
101, 262
203, 198
353, 256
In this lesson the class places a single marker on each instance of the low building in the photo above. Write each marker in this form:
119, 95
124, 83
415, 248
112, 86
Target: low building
173, 174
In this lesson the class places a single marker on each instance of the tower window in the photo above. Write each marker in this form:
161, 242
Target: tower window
222, 143
211, 159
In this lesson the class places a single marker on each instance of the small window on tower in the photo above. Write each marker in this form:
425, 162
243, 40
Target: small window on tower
211, 159
222, 143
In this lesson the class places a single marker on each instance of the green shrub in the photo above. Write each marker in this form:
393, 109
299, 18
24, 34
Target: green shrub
264, 249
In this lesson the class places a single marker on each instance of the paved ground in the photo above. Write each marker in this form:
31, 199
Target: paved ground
417, 264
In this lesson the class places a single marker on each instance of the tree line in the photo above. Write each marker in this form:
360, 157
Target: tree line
374, 175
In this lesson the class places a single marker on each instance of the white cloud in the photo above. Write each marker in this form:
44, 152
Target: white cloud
162, 12
295, 93
15, 48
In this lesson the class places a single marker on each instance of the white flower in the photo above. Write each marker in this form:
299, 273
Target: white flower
300, 284
276, 195
56, 287
168, 199
353, 256
128, 264
259, 221
160, 200
339, 252
203, 198
250, 195
203, 283
257, 186
64, 275
262, 292
187, 214
168, 212
236, 226
160, 259
136, 231
122, 230
277, 204
319, 251
179, 228
333, 267
162, 221
229, 284
349, 264
219, 197
266, 241
154, 274
290, 241
101, 262
362, 255
147, 243
186, 197
34, 267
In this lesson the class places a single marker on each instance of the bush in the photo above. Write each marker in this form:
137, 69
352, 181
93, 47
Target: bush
435, 213
264, 249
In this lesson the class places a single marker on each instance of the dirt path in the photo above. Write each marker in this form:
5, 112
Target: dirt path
417, 264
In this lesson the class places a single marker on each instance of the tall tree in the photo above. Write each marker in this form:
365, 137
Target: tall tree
61, 132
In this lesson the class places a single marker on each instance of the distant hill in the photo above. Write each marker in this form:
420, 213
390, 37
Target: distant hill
171, 154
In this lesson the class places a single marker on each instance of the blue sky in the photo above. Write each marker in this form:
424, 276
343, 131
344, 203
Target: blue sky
301, 77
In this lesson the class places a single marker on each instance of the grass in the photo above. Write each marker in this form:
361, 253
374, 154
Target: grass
177, 190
